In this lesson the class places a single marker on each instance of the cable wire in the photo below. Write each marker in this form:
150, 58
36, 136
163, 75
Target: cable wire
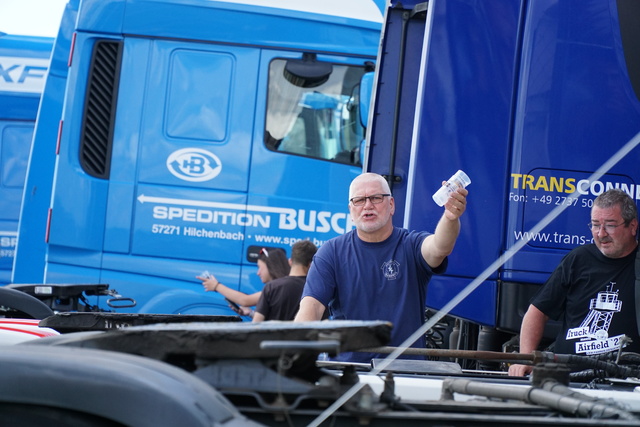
606, 166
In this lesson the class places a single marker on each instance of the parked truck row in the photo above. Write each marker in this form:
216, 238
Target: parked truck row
175, 136
164, 149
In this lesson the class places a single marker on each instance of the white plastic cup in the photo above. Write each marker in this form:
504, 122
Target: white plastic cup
459, 179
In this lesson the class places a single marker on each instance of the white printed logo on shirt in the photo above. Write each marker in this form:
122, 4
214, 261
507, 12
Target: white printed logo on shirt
391, 269
593, 332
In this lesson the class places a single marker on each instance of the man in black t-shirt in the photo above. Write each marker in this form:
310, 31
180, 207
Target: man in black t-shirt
280, 298
592, 291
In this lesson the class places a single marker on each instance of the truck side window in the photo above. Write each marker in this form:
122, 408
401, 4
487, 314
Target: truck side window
315, 118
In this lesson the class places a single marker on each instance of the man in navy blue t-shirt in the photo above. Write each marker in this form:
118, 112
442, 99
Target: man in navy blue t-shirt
378, 271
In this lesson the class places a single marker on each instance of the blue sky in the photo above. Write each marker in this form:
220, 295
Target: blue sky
31, 17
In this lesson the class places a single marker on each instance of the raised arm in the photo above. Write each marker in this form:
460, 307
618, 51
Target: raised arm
437, 246
213, 285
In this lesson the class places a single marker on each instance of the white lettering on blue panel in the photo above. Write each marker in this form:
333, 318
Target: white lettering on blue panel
25, 75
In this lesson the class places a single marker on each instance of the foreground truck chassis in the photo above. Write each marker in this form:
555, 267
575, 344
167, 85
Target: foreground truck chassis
219, 371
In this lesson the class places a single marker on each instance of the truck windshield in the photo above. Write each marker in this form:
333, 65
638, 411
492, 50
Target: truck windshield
320, 121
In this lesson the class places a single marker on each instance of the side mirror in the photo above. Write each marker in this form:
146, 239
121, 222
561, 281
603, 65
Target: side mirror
307, 72
366, 88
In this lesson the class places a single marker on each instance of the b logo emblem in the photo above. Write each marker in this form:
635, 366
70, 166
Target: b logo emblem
194, 164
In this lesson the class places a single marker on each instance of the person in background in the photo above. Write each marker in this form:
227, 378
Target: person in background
272, 264
280, 298
599, 272
379, 271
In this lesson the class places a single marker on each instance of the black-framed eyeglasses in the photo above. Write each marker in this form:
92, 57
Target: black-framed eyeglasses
609, 228
374, 198
265, 252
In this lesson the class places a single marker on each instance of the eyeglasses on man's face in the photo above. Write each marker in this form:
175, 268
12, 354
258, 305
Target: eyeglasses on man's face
374, 198
608, 228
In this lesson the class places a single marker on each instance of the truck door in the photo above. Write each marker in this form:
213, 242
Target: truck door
309, 132
193, 158
172, 198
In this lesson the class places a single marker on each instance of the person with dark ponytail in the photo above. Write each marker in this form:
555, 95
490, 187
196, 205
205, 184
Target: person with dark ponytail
280, 298
272, 264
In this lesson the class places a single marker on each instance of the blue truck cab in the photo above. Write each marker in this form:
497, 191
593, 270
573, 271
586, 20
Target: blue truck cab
24, 62
530, 99
190, 135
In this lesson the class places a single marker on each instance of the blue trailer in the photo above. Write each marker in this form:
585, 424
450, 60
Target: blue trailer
529, 98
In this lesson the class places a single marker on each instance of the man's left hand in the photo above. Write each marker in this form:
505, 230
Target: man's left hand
456, 205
